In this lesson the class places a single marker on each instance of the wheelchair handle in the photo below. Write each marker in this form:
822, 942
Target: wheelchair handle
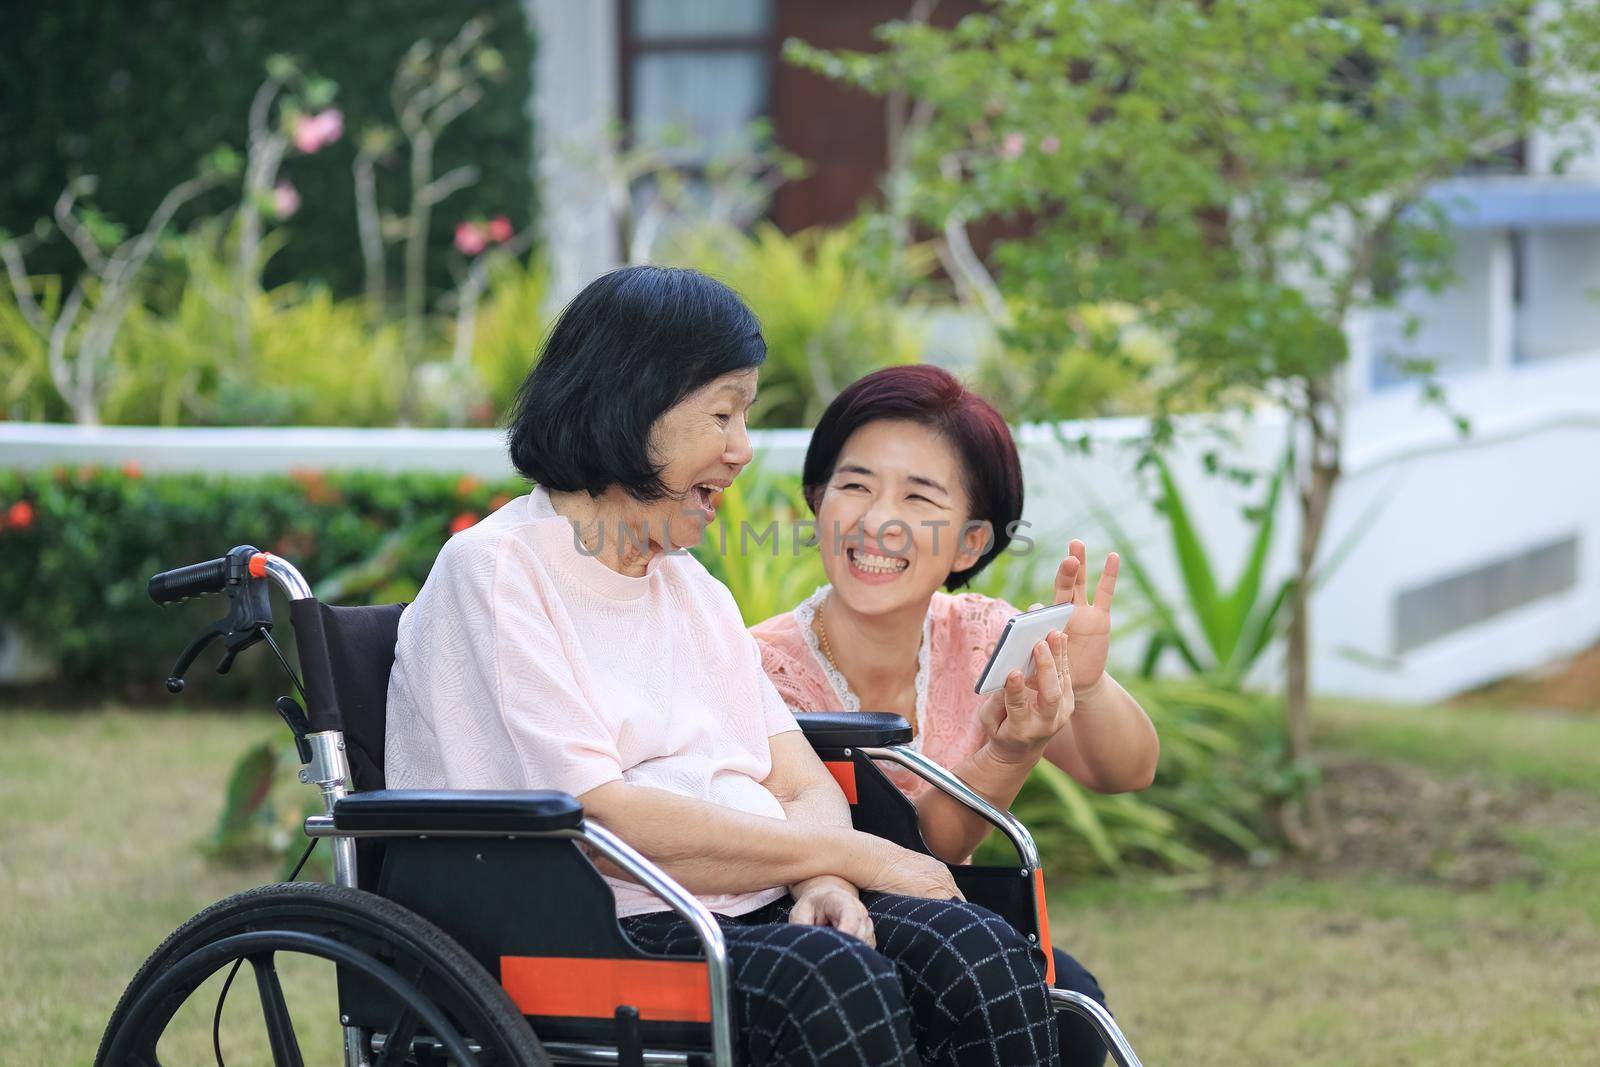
202, 579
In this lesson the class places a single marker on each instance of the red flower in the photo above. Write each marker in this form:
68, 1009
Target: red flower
20, 515
315, 483
467, 485
500, 500
312, 133
464, 521
131, 469
297, 544
470, 239
500, 229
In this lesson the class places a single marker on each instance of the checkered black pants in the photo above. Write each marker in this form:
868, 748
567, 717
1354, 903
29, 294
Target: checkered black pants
950, 984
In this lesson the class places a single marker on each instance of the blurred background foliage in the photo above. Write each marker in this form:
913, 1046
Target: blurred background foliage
166, 81
77, 546
372, 538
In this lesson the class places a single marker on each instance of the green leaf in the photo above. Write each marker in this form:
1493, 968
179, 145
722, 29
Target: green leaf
1212, 613
1080, 815
249, 784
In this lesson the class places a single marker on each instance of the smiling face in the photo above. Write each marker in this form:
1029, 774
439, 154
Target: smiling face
702, 443
890, 519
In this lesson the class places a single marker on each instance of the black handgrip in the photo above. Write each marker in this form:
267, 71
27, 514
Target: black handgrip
197, 579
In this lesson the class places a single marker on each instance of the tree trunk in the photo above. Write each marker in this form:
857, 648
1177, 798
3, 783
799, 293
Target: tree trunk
1306, 824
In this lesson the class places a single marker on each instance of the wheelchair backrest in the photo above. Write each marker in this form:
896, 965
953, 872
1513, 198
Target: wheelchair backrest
346, 655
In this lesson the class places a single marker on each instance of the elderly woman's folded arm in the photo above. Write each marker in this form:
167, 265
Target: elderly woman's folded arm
715, 850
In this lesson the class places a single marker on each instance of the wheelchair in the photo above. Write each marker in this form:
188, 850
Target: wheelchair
473, 927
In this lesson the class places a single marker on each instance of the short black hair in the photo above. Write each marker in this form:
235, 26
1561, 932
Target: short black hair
635, 342
991, 471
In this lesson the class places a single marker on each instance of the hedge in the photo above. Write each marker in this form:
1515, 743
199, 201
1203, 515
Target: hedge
136, 92
78, 545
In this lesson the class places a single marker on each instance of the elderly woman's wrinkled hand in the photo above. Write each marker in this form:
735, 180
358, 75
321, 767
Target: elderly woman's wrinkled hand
1026, 713
909, 874
830, 901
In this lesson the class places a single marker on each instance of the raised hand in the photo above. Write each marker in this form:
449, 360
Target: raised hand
1089, 629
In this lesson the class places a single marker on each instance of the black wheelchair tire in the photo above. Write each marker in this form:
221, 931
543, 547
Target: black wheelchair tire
497, 1024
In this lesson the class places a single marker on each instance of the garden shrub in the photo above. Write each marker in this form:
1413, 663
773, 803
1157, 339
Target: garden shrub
78, 545
91, 87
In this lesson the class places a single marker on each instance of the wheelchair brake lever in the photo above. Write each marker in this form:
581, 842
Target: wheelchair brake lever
187, 657
295, 716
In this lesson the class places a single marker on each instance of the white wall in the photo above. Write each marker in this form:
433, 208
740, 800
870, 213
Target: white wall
1458, 327
1560, 311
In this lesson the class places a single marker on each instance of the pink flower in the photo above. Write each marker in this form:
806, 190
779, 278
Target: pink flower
313, 133
285, 200
500, 229
470, 238
1011, 145
1050, 145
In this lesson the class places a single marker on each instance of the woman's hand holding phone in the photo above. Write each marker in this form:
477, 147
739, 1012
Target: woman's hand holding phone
1023, 715
1034, 705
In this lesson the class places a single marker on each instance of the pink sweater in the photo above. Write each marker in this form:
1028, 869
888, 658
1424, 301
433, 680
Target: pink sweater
959, 636
527, 664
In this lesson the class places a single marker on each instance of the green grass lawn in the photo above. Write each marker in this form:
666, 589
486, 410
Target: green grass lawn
1479, 943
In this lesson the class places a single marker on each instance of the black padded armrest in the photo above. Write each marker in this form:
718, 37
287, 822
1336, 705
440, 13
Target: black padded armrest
843, 729
458, 811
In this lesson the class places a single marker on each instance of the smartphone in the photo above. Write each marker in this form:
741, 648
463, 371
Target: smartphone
1014, 650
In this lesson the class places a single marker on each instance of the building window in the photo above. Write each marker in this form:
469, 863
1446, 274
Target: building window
697, 71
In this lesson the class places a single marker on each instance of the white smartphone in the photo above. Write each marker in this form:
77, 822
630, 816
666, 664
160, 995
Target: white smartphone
1014, 650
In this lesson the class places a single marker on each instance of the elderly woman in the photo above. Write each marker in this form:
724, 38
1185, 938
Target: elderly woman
562, 643
916, 485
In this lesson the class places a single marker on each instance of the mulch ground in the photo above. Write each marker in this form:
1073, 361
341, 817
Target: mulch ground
1571, 684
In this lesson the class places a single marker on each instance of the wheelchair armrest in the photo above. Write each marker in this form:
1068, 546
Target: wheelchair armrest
846, 729
458, 811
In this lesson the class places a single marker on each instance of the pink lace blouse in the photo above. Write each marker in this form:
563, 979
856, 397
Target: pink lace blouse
959, 635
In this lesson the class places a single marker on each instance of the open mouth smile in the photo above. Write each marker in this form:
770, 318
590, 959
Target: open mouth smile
870, 565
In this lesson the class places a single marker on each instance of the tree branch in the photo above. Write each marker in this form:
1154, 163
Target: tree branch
17, 271
450, 182
76, 232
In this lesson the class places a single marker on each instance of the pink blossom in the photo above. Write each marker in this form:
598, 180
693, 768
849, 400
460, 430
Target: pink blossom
285, 200
1012, 144
470, 238
500, 229
1050, 145
312, 133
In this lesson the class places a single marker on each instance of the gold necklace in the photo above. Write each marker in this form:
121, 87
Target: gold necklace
822, 638
822, 635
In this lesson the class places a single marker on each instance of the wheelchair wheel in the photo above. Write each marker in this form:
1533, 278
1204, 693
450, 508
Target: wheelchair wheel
446, 1007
